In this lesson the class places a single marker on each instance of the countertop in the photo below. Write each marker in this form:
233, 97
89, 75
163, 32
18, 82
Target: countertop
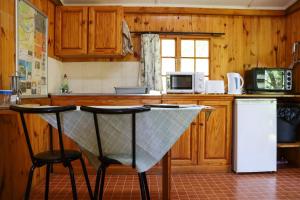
101, 94
183, 95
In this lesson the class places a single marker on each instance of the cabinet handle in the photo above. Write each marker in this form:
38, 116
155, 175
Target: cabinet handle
83, 22
90, 22
201, 124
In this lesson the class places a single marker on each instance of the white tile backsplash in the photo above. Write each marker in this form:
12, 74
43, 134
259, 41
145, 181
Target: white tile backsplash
55, 74
93, 77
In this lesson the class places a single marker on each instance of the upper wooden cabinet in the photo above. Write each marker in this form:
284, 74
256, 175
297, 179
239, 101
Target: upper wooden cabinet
71, 31
105, 36
88, 31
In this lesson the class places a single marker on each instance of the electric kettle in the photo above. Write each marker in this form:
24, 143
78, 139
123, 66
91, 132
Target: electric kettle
235, 83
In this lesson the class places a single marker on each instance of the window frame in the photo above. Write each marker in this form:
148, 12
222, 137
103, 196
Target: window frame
178, 57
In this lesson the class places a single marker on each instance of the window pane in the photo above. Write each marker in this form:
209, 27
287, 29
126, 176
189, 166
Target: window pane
167, 65
168, 48
202, 48
187, 65
187, 48
202, 65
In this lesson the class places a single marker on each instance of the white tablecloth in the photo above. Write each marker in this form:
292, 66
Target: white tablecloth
156, 132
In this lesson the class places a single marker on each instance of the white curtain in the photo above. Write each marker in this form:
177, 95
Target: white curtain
150, 64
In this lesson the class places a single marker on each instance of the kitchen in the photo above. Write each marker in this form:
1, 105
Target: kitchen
215, 38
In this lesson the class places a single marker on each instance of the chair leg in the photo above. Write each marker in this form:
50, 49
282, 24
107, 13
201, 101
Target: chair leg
142, 186
103, 170
96, 192
29, 182
86, 176
146, 185
73, 183
48, 170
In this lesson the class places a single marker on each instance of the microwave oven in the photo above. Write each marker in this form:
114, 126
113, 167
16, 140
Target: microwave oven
185, 82
268, 80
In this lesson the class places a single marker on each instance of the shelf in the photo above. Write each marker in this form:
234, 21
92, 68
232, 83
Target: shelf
289, 145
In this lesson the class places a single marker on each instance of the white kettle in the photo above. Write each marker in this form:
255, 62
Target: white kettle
235, 83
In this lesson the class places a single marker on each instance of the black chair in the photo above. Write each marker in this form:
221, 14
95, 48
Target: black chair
51, 157
106, 161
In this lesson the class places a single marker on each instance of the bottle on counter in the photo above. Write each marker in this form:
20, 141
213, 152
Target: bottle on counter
65, 85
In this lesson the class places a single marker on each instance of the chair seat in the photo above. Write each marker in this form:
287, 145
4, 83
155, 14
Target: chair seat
55, 156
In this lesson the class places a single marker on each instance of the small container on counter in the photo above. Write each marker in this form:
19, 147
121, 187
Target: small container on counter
5, 96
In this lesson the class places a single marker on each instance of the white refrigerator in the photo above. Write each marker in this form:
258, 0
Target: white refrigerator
255, 135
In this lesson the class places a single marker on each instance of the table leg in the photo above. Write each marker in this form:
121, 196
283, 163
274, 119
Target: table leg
166, 176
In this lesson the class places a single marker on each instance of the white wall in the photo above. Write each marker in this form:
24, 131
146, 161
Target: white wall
55, 70
93, 77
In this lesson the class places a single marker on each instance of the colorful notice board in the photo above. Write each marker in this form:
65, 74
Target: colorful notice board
32, 55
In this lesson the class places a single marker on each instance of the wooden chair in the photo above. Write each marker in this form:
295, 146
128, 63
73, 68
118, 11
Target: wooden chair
106, 160
51, 157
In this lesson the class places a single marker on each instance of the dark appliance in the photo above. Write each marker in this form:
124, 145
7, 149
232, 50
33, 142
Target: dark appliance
269, 80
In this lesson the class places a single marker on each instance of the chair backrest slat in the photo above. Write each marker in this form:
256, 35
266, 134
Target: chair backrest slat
61, 143
133, 140
42, 110
116, 111
98, 135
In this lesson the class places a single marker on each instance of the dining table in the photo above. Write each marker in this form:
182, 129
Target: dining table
156, 132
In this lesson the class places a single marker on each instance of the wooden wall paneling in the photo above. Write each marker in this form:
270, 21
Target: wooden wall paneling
250, 47
15, 159
249, 41
7, 42
265, 49
293, 35
51, 25
14, 153
71, 30
280, 39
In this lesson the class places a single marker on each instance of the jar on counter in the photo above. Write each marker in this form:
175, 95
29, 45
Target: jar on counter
5, 97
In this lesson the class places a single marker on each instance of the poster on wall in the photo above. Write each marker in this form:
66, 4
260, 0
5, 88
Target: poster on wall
31, 59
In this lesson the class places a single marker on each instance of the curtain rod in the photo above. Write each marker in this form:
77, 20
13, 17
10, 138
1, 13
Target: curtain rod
179, 33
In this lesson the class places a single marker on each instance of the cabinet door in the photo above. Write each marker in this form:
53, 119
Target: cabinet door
71, 30
215, 134
185, 150
105, 36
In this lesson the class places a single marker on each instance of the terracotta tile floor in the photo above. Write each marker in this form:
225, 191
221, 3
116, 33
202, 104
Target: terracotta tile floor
285, 184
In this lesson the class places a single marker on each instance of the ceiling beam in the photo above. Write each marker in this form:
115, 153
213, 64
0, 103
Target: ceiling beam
205, 11
293, 8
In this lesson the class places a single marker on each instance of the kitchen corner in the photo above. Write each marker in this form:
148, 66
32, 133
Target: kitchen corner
81, 57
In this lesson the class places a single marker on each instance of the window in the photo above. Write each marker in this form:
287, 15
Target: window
185, 55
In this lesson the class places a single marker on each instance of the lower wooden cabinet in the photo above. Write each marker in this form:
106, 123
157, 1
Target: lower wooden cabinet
206, 144
215, 135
